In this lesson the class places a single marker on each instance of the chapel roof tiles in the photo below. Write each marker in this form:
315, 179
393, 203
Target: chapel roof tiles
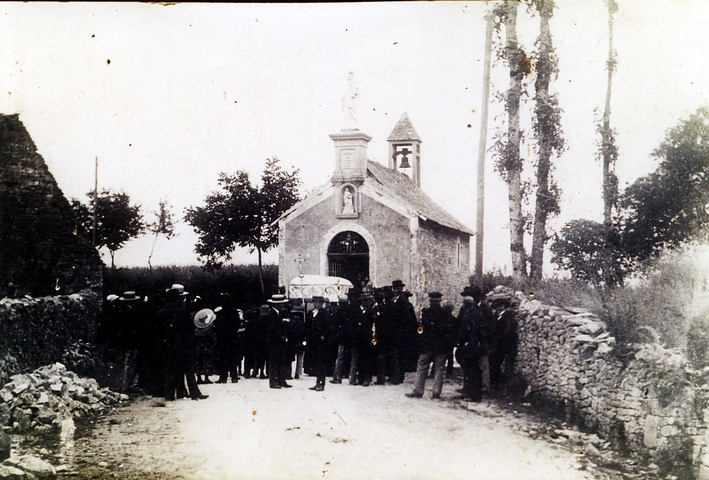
400, 186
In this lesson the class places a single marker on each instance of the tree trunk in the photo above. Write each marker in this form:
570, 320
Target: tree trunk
112, 253
260, 273
609, 153
606, 136
150, 265
513, 160
545, 131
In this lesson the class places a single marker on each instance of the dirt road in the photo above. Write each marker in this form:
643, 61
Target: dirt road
248, 431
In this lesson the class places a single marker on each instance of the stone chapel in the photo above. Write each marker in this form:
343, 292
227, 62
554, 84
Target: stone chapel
373, 224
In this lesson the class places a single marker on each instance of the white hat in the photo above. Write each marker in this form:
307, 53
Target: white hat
277, 299
204, 318
180, 289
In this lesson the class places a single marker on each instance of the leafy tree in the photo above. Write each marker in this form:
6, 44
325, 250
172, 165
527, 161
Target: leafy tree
546, 125
117, 221
164, 224
583, 248
663, 210
669, 207
242, 214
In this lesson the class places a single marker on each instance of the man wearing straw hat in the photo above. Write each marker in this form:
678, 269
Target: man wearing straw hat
179, 341
276, 341
130, 316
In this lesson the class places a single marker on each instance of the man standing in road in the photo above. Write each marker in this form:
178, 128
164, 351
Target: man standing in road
439, 331
472, 342
320, 339
277, 342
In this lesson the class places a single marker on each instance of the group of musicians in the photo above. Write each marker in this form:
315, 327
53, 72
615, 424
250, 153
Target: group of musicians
372, 337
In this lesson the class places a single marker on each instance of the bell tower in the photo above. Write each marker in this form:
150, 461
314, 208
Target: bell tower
405, 150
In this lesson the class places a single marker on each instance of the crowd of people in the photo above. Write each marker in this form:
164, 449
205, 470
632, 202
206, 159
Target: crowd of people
174, 342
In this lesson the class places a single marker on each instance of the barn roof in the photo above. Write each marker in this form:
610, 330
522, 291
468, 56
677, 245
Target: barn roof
398, 185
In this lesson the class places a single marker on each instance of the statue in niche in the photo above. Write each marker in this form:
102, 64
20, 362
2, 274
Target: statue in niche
347, 201
349, 104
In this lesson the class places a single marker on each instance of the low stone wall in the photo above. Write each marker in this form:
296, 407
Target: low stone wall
642, 398
40, 331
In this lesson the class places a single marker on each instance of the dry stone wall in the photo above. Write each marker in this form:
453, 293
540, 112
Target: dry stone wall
40, 331
642, 398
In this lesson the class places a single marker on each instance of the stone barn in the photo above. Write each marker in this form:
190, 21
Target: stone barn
373, 224
40, 253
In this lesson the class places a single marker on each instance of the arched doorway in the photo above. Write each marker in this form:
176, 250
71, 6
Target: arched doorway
348, 257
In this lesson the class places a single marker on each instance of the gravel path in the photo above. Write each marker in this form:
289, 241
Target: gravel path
248, 431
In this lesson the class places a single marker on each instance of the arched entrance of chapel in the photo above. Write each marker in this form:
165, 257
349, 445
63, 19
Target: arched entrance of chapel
348, 257
348, 251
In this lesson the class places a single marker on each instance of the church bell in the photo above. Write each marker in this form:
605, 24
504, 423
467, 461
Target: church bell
404, 162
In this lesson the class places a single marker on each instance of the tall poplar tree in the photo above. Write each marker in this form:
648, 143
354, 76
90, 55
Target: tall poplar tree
546, 125
508, 159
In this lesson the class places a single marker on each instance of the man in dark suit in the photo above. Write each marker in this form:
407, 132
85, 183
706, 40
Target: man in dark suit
227, 326
276, 341
439, 331
473, 341
178, 328
320, 338
387, 334
361, 317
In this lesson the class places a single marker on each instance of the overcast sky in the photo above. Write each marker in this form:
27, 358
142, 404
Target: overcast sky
169, 96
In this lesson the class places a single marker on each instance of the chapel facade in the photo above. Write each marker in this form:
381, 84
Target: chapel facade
372, 224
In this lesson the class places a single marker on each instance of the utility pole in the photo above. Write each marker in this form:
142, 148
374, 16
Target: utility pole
95, 200
482, 147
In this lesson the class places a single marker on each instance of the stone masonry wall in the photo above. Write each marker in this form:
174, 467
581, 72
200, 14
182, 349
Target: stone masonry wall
40, 331
642, 398
445, 258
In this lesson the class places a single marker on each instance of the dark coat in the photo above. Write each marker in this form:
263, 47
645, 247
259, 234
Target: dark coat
474, 336
320, 329
440, 329
276, 336
226, 327
387, 323
361, 321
